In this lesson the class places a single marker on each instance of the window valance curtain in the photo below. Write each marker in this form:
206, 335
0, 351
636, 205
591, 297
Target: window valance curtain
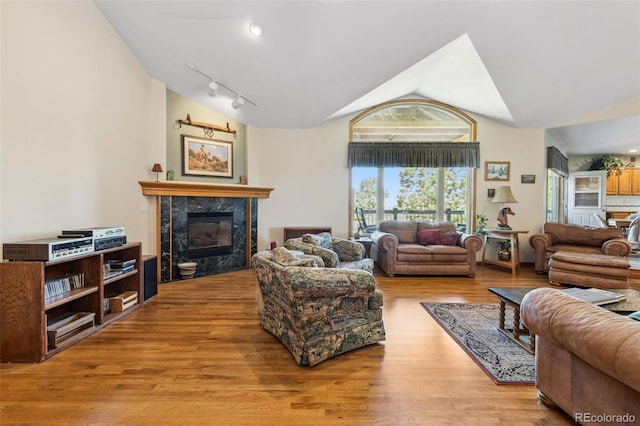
414, 154
557, 161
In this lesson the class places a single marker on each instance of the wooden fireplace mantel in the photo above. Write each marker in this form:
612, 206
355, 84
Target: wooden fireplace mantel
192, 189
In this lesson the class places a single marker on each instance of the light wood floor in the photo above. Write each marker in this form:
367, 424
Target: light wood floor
196, 355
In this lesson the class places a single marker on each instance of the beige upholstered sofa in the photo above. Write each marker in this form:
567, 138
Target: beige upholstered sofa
587, 358
404, 247
575, 238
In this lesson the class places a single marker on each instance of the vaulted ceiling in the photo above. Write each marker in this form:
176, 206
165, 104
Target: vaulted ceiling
527, 64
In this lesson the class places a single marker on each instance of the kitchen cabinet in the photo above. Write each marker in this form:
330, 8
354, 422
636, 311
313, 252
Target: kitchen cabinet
624, 182
635, 181
620, 182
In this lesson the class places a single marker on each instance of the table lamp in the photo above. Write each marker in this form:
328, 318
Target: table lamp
504, 195
156, 168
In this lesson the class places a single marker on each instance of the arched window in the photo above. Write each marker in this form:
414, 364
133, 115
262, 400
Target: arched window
412, 159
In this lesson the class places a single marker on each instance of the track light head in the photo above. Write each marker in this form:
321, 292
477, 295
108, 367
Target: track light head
213, 89
238, 102
255, 30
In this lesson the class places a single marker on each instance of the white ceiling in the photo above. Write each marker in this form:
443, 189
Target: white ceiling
528, 64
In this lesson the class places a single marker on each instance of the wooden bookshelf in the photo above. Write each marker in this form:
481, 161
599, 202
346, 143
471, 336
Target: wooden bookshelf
26, 315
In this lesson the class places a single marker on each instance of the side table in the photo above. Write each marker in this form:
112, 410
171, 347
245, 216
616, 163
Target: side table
366, 242
503, 234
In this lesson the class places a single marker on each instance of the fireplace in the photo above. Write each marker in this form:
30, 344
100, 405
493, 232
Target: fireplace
209, 234
175, 200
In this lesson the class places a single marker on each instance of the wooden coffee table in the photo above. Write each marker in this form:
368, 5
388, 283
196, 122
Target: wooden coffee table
513, 297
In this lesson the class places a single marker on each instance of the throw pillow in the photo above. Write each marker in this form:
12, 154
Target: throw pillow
284, 257
316, 240
429, 237
449, 238
281, 255
327, 239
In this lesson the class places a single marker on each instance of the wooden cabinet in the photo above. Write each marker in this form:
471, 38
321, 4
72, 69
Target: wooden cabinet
29, 321
612, 184
635, 181
622, 182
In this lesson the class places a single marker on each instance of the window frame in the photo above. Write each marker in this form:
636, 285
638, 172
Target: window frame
471, 175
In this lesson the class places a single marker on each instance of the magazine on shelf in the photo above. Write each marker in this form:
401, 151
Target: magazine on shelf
122, 264
596, 296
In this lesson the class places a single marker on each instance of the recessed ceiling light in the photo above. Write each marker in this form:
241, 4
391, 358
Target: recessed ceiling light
255, 30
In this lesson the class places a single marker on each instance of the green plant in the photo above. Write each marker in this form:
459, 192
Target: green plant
481, 222
504, 244
608, 162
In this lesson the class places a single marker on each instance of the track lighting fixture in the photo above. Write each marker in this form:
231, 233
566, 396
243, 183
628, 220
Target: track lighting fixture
255, 30
212, 89
238, 102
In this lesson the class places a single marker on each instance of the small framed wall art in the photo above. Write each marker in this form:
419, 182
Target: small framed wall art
206, 157
497, 170
527, 178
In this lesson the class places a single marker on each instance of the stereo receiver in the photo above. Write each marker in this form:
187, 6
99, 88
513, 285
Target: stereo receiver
47, 249
103, 237
98, 232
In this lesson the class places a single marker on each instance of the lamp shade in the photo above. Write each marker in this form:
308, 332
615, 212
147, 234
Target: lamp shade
156, 168
503, 195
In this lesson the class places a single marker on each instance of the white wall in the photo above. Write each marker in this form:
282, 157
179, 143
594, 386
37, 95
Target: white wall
81, 123
308, 170
309, 174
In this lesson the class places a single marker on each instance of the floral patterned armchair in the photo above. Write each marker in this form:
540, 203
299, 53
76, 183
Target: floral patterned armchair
317, 313
335, 252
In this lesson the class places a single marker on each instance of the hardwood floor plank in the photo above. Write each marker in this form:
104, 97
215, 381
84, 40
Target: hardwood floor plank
195, 354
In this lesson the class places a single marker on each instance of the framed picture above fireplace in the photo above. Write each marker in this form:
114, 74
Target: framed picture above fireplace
206, 157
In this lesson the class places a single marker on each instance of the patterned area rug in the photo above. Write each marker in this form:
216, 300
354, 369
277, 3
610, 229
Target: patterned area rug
475, 328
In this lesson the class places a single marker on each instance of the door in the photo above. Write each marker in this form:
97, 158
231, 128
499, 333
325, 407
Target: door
587, 196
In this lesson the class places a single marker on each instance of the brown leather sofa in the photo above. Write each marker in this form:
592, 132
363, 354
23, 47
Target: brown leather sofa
406, 247
587, 358
578, 239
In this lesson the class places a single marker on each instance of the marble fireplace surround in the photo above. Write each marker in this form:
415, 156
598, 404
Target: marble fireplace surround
175, 199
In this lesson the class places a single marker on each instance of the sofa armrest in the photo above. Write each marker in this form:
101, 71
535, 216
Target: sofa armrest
472, 243
385, 240
540, 243
605, 340
303, 285
347, 250
617, 247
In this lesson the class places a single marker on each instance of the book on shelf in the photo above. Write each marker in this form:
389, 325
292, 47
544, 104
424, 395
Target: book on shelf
596, 296
56, 286
122, 264
109, 272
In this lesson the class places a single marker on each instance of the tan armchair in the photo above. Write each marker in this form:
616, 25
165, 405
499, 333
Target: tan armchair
558, 237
